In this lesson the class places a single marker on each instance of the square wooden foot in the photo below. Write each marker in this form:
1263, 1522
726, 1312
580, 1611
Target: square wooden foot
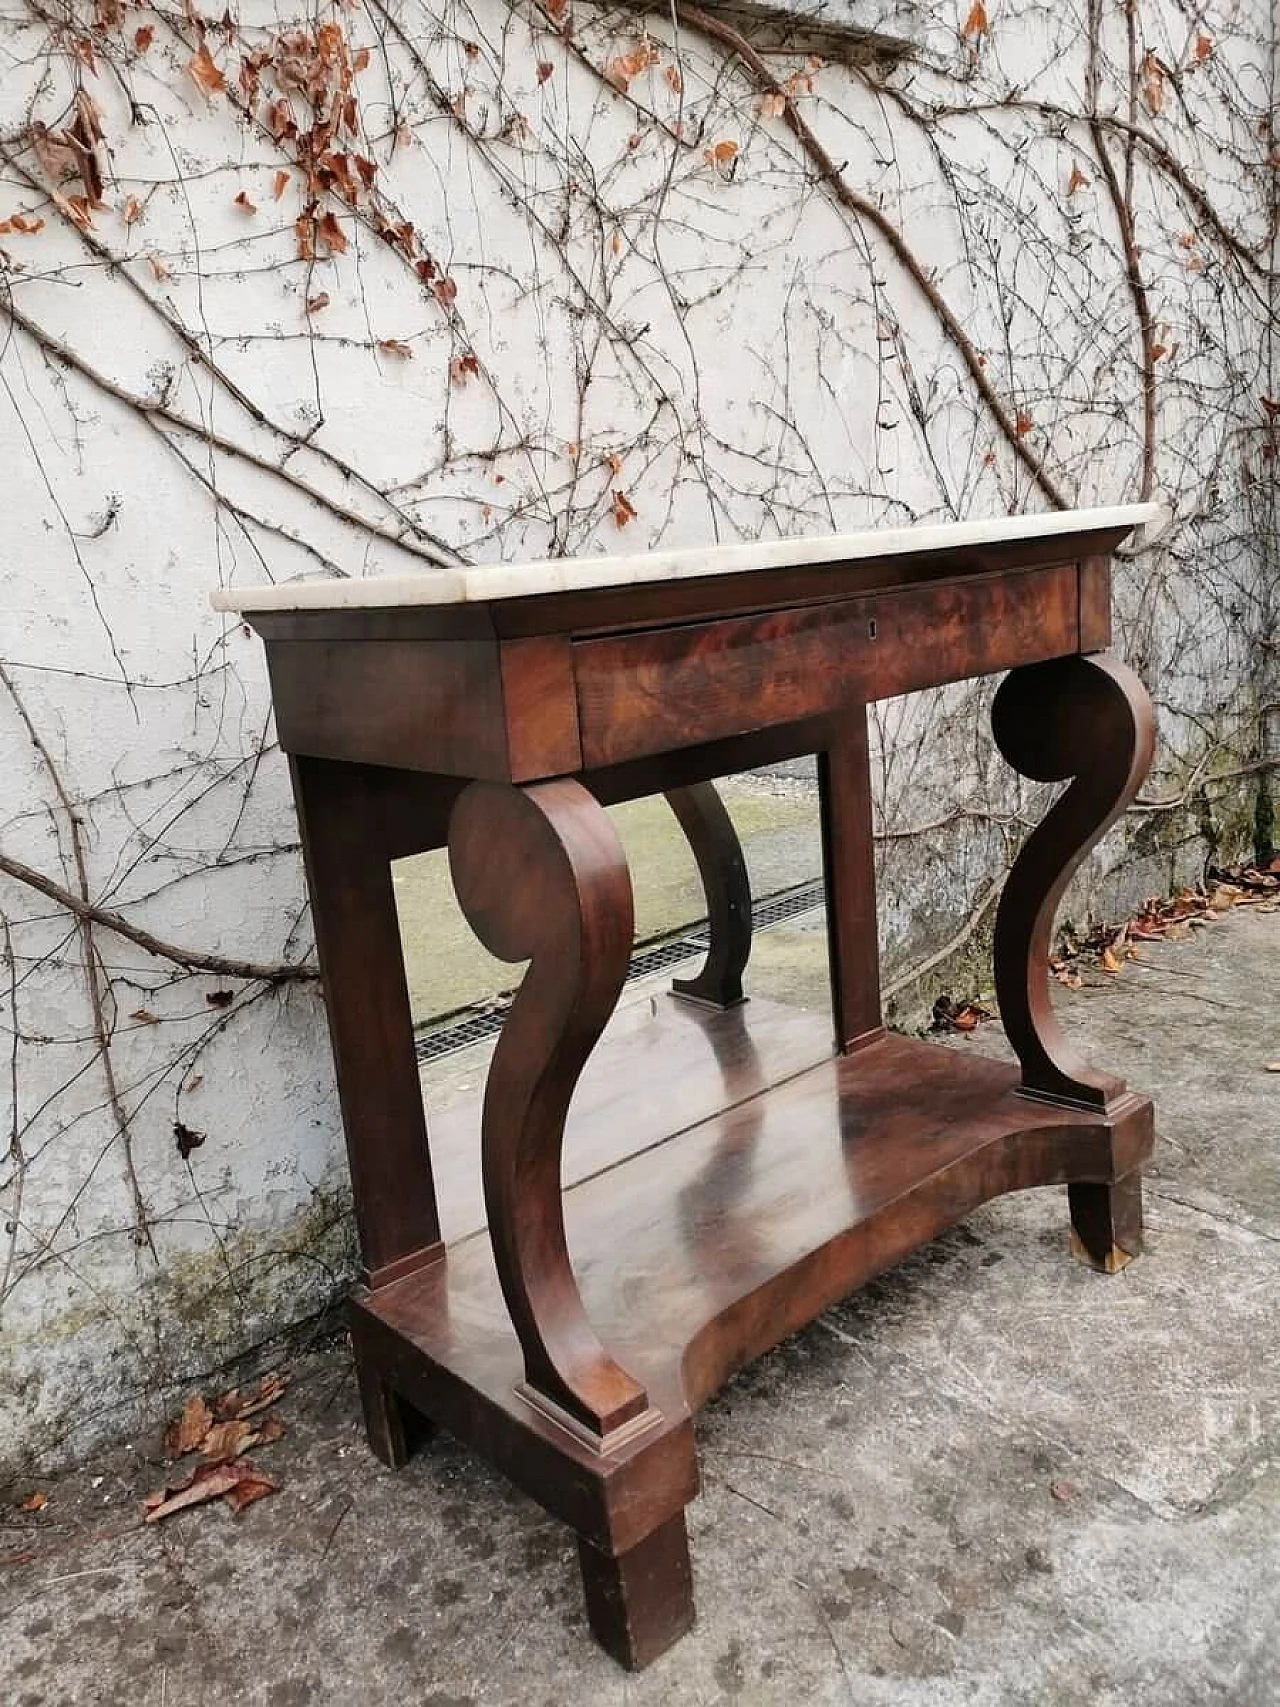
640, 1602
392, 1427
1106, 1223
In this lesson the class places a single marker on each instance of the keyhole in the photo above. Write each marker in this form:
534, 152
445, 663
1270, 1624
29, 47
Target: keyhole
871, 629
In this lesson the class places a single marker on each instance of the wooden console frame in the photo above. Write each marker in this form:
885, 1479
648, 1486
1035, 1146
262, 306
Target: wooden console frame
724, 1175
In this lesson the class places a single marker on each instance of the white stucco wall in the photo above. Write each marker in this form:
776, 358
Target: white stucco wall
719, 338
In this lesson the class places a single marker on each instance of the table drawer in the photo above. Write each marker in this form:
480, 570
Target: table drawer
675, 687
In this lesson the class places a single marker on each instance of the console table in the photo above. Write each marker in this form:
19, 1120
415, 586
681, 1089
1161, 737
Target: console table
570, 1269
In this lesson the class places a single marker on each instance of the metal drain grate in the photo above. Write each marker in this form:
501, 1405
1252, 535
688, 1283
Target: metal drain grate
475, 1027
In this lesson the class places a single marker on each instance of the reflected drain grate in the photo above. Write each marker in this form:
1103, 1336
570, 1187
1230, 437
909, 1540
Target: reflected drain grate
474, 1027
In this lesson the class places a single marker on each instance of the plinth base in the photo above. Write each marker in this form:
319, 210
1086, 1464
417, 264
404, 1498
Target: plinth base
698, 1251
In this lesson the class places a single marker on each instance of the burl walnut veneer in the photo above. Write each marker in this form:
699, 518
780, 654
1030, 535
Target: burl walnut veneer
568, 1272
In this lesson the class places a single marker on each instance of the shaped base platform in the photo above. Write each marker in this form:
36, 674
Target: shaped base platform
794, 1177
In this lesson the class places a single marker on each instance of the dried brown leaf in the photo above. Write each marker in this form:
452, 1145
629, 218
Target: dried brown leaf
22, 224
623, 509
35, 1502
244, 1404
204, 73
227, 1440
143, 38
188, 1428
209, 1482
244, 204
220, 998
55, 151
317, 302
331, 234
1152, 84
249, 1489
280, 185
977, 23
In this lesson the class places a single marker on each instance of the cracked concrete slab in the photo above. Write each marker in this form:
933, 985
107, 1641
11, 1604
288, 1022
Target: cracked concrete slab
990, 1477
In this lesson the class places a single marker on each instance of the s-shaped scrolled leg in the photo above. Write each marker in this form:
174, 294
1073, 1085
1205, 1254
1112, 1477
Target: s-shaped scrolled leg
541, 876
709, 831
1087, 719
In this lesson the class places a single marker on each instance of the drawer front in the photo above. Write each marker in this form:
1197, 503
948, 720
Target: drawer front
676, 687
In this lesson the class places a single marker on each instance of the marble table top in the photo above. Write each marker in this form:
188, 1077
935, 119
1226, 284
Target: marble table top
486, 582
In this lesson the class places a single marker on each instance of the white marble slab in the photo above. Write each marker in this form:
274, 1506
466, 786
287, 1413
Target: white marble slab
486, 582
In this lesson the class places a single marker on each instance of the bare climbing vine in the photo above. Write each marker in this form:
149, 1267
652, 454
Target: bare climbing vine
393, 285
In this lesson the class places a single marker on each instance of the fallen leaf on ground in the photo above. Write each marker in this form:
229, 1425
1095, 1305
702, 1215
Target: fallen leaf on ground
188, 1429
245, 1404
227, 1440
949, 1015
209, 1482
248, 1490
1062, 1491
36, 1502
1223, 897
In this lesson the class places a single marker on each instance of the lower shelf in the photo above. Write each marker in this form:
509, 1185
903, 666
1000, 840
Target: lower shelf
698, 1253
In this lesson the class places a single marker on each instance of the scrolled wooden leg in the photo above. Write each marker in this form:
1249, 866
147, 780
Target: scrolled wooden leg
541, 876
1088, 719
641, 1602
1106, 1222
710, 833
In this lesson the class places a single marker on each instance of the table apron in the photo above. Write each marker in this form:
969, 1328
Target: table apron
665, 689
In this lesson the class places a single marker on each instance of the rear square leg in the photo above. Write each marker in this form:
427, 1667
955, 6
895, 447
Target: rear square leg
393, 1429
640, 1602
1106, 1222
